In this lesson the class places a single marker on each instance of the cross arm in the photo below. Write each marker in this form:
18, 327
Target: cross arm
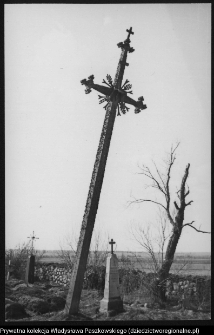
138, 104
100, 88
111, 92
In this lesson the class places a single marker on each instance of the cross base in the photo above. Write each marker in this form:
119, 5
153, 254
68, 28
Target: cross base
115, 304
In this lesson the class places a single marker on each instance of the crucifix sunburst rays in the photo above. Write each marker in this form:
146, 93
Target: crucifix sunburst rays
124, 90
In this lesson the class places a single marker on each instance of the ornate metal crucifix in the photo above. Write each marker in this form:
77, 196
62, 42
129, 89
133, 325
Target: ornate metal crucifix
116, 96
116, 92
33, 238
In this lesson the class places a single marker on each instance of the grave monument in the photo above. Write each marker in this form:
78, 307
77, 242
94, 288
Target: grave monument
112, 299
116, 97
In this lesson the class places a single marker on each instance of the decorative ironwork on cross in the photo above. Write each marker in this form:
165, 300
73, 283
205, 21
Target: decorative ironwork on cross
33, 238
115, 90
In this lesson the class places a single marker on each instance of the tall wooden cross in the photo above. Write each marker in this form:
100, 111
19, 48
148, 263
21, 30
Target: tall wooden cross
33, 237
116, 97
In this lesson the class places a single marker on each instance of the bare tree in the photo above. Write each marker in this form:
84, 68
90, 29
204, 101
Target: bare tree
153, 239
97, 253
67, 255
145, 238
98, 250
162, 235
161, 182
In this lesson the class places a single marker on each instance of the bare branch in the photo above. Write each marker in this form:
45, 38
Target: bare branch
176, 206
173, 150
171, 162
200, 231
186, 194
184, 182
159, 174
144, 238
189, 203
144, 200
146, 172
188, 223
178, 193
163, 233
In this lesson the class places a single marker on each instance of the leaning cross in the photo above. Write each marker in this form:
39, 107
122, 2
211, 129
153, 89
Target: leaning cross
33, 238
116, 97
112, 243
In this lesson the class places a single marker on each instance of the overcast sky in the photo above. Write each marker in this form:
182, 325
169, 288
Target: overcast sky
53, 128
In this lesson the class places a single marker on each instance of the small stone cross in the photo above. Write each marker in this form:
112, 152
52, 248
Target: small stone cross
112, 242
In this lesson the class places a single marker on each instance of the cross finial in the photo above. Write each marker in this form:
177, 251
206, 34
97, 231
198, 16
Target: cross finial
112, 243
129, 31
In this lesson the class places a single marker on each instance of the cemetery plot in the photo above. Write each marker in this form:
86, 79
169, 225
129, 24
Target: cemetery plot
45, 302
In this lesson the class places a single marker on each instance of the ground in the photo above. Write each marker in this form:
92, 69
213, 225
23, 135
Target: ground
45, 302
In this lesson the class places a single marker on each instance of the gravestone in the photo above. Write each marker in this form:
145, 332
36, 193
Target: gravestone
29, 275
112, 299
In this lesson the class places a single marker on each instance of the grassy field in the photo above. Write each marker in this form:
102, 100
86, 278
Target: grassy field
191, 263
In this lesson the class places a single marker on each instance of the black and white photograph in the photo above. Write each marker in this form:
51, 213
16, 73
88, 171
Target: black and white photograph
107, 163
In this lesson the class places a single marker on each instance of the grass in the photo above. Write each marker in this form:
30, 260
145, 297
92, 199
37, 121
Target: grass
133, 303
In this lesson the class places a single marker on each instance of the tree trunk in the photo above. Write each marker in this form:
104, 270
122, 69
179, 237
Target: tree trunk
177, 223
163, 273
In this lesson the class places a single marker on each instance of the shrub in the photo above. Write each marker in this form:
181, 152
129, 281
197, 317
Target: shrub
129, 279
94, 278
18, 259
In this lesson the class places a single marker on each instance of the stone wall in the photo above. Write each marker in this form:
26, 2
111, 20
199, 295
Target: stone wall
56, 273
188, 286
176, 286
